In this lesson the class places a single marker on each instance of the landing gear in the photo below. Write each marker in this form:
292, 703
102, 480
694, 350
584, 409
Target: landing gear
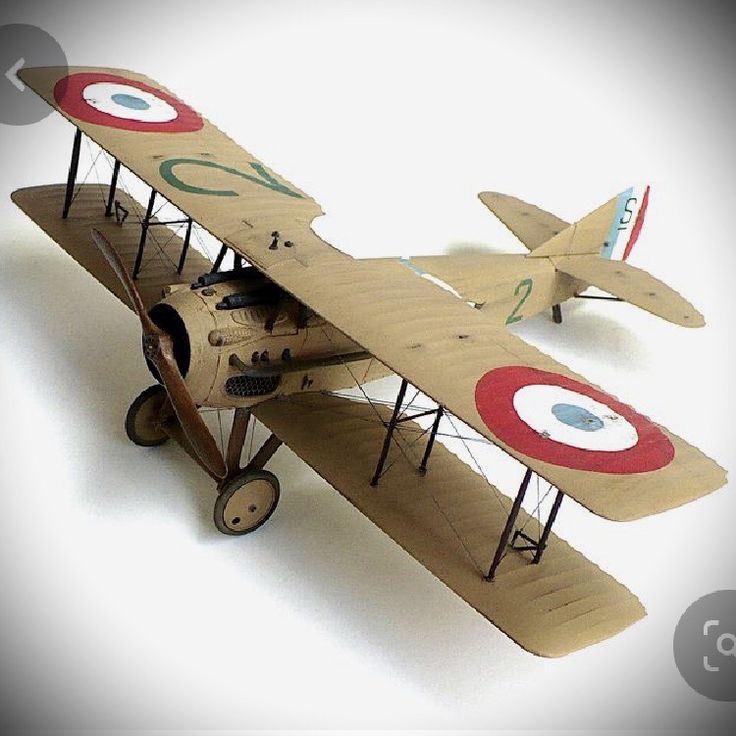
247, 495
246, 501
143, 421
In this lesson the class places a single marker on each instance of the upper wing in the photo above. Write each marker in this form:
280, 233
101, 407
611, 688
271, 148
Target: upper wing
458, 357
449, 520
187, 159
532, 225
453, 353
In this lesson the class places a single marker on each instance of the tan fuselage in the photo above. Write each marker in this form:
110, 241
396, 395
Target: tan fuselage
507, 287
276, 337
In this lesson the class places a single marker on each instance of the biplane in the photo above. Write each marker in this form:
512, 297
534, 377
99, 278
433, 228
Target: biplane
293, 323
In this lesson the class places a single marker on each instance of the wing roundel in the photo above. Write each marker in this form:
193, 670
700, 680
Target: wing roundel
554, 418
115, 101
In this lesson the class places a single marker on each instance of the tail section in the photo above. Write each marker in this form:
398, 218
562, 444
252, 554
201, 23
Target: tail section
594, 250
610, 231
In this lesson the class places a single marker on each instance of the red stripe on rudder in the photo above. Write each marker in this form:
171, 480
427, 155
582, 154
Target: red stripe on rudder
637, 225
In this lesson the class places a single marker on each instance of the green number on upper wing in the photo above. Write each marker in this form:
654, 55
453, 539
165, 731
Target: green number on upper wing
166, 169
526, 285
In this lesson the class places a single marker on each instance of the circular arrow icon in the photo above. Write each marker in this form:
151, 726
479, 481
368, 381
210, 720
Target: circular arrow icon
23, 46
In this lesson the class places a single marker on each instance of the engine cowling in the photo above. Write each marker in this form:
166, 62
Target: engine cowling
208, 326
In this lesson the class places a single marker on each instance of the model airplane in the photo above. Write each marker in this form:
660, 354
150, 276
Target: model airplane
296, 320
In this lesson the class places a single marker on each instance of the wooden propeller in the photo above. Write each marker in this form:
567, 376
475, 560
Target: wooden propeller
158, 347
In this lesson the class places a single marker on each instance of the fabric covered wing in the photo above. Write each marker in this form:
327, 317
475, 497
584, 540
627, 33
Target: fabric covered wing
44, 204
180, 154
531, 225
450, 521
458, 357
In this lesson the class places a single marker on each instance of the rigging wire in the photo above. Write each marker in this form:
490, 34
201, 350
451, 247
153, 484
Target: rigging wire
432, 496
537, 510
89, 170
359, 384
477, 464
100, 187
353, 376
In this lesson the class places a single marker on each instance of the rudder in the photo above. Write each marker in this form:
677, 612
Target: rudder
610, 231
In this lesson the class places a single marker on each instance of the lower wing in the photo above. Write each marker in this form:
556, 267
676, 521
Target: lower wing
450, 521
44, 205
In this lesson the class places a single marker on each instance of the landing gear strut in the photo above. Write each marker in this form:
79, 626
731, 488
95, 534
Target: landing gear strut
247, 496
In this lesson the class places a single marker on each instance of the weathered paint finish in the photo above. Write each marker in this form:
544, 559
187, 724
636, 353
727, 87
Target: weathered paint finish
508, 288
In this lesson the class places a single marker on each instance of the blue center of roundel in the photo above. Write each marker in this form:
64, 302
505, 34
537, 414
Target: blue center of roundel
576, 416
129, 101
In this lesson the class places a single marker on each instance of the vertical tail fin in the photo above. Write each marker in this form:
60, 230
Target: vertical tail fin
631, 208
610, 231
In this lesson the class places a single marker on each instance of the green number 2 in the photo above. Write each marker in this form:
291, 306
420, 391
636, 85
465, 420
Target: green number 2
526, 286
166, 170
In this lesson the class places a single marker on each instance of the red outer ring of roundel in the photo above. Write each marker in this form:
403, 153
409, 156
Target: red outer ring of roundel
494, 396
68, 93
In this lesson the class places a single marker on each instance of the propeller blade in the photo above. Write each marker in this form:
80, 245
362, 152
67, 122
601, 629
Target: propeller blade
195, 429
113, 259
159, 348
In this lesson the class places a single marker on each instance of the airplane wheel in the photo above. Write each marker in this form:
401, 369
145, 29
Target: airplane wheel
246, 502
142, 421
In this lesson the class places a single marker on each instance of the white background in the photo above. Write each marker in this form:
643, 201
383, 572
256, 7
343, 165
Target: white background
121, 606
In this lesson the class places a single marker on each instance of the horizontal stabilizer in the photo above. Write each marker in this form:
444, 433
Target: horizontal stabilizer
450, 521
632, 285
532, 225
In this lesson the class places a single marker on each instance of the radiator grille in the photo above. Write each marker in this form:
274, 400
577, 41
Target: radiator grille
251, 386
